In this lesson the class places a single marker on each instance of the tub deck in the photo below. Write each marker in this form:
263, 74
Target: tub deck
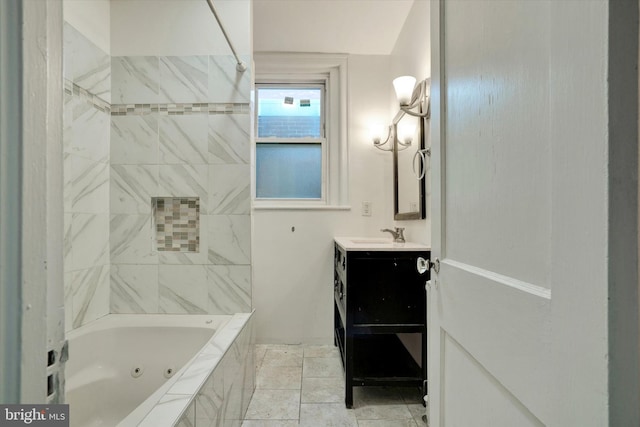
118, 368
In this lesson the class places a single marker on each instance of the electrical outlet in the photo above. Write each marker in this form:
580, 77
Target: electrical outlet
366, 208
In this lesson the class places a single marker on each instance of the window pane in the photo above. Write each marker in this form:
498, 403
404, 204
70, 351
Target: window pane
289, 113
289, 171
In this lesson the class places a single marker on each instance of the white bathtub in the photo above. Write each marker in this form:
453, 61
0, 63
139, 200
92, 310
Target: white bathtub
129, 370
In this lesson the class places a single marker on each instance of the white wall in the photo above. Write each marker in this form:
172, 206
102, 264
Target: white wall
293, 271
92, 19
412, 51
411, 55
333, 29
178, 27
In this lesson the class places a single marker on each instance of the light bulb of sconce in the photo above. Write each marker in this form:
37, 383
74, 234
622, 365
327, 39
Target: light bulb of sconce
404, 89
406, 132
376, 132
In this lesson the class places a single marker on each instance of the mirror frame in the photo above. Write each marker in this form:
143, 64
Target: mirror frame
421, 214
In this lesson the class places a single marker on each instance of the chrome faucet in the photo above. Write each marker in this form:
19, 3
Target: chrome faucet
398, 234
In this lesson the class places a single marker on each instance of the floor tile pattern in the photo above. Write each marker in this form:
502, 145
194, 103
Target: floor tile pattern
303, 385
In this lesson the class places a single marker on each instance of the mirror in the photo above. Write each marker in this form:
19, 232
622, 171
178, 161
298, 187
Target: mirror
409, 191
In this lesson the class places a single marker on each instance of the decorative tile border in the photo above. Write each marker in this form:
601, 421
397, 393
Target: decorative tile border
177, 223
184, 109
179, 109
73, 89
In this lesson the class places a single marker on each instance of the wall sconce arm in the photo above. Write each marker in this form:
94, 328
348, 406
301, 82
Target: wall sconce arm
380, 145
419, 101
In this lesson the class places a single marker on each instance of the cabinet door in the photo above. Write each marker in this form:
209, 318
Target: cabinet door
386, 289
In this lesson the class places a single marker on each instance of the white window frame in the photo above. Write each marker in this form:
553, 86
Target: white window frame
282, 68
322, 140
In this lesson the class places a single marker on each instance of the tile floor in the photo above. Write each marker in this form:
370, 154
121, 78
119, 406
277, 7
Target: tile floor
304, 386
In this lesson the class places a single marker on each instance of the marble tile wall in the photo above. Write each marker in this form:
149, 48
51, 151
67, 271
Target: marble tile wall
86, 118
143, 127
180, 127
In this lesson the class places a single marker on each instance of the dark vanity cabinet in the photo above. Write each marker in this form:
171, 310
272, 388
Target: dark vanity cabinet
379, 294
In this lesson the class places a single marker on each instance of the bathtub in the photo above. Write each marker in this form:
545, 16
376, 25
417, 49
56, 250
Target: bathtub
160, 370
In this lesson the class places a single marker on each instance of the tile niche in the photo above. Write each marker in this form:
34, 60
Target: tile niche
176, 222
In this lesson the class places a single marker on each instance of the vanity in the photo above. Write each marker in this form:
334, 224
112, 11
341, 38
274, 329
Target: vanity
379, 292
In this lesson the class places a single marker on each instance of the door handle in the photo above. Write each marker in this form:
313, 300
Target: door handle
422, 265
435, 265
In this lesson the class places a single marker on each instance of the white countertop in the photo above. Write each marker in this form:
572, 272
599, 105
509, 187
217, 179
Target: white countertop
377, 244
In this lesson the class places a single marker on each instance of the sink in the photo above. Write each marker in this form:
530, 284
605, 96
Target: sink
376, 244
370, 240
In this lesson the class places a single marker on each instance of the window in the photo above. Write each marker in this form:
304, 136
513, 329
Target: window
290, 141
300, 131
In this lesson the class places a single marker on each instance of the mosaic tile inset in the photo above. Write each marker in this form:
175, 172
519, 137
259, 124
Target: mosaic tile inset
177, 223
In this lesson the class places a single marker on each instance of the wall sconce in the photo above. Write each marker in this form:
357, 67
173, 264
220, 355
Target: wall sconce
405, 137
412, 96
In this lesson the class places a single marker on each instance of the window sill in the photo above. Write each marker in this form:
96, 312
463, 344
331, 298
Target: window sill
284, 207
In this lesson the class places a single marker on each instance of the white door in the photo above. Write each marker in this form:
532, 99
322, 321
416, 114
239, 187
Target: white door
518, 310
